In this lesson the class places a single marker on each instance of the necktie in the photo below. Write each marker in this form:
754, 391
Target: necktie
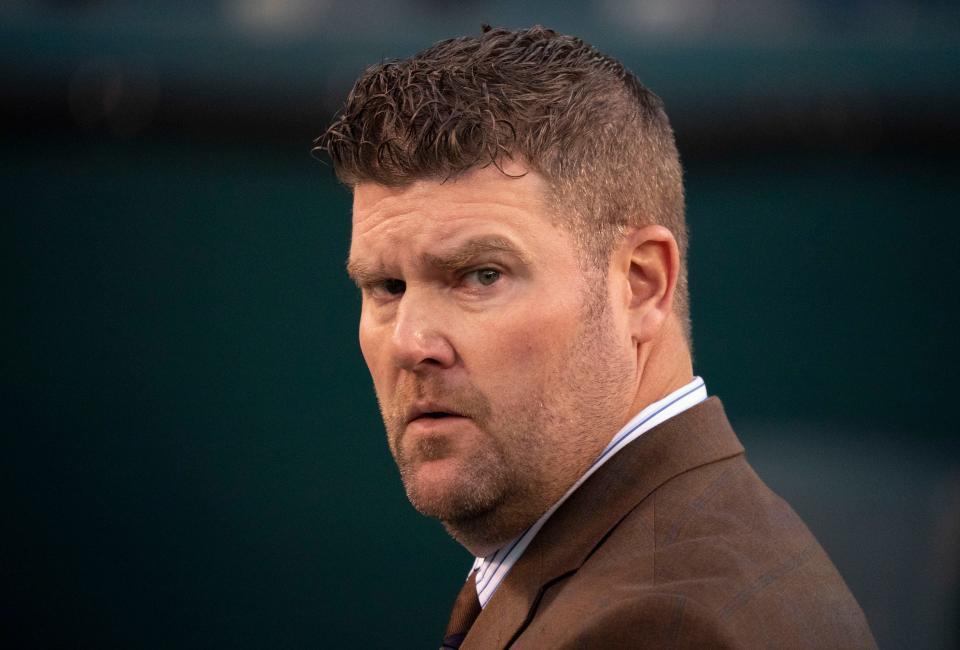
466, 608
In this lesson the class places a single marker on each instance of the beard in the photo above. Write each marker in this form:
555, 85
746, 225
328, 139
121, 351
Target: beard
485, 479
535, 439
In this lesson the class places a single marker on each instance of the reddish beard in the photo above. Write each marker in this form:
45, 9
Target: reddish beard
483, 478
466, 400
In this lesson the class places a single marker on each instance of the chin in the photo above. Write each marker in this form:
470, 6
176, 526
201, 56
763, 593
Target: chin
443, 490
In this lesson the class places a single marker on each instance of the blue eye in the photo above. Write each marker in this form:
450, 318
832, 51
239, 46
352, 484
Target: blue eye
486, 277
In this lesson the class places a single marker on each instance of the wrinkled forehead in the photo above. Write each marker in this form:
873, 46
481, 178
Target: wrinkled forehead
486, 212
497, 194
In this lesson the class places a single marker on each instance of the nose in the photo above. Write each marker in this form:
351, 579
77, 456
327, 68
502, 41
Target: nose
420, 340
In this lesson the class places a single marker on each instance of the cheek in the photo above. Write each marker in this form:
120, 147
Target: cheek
366, 346
373, 349
522, 351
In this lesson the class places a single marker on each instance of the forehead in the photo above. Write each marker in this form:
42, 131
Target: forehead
428, 213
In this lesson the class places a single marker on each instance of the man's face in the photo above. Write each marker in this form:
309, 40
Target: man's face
498, 367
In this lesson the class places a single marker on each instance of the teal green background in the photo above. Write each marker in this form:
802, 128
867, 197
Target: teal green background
197, 458
191, 453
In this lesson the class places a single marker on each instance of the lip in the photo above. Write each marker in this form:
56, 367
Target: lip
420, 424
420, 409
437, 426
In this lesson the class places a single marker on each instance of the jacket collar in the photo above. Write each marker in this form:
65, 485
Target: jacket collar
699, 435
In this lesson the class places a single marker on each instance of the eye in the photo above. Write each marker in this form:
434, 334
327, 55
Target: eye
388, 288
394, 286
485, 277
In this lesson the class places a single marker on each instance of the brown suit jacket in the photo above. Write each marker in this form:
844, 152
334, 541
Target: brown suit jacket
674, 543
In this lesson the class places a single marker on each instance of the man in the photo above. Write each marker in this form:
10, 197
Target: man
519, 241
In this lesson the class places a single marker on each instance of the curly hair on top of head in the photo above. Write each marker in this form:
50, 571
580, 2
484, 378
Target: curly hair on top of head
578, 117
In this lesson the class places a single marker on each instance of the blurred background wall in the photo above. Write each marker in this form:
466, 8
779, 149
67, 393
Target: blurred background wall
192, 455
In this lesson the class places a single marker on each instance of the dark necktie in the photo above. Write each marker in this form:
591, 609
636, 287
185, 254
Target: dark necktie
466, 608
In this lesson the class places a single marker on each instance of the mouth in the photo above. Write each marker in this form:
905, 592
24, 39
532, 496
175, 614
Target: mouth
430, 412
432, 415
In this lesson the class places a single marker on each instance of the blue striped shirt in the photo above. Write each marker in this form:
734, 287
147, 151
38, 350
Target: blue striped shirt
494, 568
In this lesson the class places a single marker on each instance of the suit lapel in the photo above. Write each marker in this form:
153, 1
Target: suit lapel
698, 436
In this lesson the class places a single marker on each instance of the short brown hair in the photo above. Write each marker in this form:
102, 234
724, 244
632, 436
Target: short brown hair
578, 117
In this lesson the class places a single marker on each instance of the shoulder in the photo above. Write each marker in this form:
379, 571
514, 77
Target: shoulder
712, 558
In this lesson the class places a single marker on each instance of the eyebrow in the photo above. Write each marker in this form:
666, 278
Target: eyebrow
363, 274
471, 249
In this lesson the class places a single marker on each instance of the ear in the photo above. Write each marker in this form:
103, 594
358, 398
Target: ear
647, 263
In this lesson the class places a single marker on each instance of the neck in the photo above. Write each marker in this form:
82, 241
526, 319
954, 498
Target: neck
663, 366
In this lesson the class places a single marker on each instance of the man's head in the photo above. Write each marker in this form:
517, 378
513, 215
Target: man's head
578, 117
518, 235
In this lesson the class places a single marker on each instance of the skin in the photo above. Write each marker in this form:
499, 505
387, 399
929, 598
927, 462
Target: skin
476, 305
